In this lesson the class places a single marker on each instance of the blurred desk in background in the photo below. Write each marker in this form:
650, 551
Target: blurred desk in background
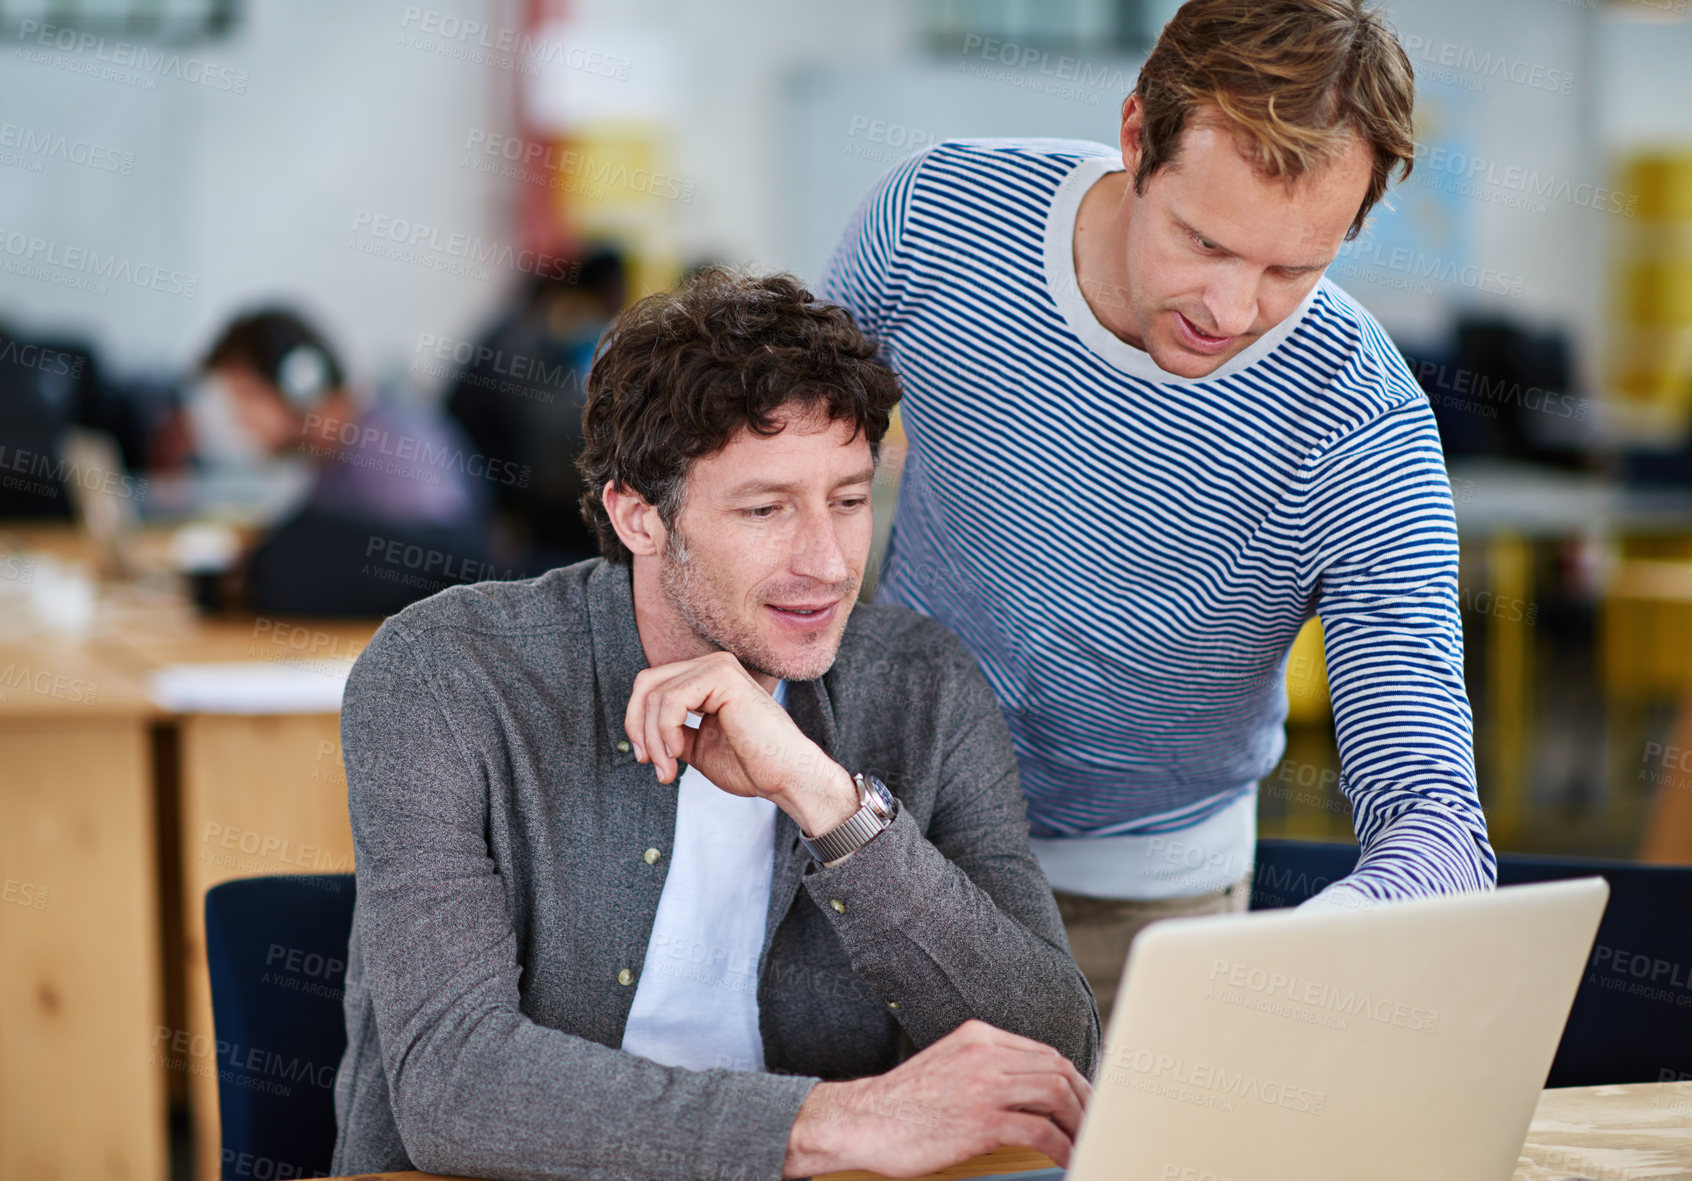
1506, 514
80, 951
260, 791
252, 495
1649, 641
1572, 639
118, 810
1505, 498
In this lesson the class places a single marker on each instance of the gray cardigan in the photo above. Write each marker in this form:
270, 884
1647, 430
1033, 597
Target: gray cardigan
500, 821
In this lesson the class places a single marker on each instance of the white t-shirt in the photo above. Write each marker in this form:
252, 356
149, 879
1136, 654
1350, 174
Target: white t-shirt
697, 1001
1210, 855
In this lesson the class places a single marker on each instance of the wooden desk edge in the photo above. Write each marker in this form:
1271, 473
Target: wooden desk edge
1005, 1160
1016, 1160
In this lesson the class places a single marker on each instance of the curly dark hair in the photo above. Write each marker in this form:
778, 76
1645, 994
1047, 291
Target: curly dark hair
679, 373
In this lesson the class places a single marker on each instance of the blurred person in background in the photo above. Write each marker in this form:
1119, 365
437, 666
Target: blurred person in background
287, 392
1149, 440
520, 395
398, 502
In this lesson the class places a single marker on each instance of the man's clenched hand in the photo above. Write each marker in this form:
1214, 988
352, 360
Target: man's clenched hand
976, 1089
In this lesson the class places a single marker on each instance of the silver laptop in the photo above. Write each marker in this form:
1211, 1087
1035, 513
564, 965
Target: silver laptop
1407, 1040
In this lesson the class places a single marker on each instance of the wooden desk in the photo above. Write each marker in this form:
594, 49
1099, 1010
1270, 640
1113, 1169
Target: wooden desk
80, 979
1631, 1133
104, 994
258, 794
1641, 1132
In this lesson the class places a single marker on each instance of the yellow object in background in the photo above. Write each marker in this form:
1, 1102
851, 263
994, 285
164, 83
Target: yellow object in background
614, 183
1663, 183
895, 436
1651, 337
1646, 624
1307, 678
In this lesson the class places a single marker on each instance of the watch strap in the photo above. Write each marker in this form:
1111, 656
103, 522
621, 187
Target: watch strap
875, 814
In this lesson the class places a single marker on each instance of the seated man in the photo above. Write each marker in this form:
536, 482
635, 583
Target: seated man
629, 886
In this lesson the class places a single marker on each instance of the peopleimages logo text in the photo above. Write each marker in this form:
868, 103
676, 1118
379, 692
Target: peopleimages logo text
50, 145
1417, 264
128, 54
1527, 181
535, 52
470, 247
37, 251
1201, 1083
1500, 66
533, 160
374, 444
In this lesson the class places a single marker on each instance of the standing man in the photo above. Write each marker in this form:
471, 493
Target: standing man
1148, 440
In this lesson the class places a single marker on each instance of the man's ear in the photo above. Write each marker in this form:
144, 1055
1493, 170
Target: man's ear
635, 521
1133, 122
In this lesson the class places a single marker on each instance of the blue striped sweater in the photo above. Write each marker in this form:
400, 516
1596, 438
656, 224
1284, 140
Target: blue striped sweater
1130, 554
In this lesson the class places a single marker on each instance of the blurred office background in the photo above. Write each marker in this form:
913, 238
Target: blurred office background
454, 196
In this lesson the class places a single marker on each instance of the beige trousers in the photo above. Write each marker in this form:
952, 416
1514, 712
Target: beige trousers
1100, 929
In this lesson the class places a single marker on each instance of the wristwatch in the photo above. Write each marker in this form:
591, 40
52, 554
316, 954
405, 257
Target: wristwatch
876, 809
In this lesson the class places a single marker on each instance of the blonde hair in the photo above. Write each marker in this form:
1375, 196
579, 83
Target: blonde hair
1294, 79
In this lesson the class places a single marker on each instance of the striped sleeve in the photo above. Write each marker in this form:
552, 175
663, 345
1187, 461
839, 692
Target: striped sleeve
860, 275
1381, 549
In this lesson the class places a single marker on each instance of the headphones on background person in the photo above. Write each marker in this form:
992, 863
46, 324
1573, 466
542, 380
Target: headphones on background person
295, 359
281, 347
302, 374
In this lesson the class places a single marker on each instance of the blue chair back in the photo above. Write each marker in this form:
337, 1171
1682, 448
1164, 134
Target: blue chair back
1290, 872
1631, 1020
277, 949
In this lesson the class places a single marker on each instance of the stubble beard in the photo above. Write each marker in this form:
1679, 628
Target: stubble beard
688, 592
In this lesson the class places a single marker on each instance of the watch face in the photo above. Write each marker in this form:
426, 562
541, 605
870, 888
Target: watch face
880, 791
